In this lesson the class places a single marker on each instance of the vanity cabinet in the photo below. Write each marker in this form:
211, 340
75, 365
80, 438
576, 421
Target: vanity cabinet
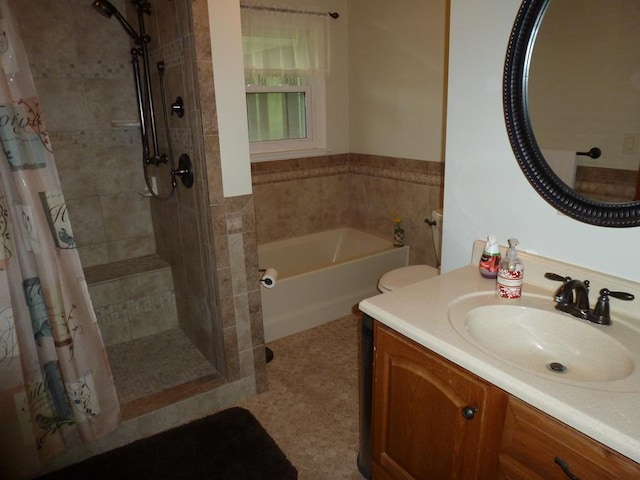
433, 420
532, 441
430, 419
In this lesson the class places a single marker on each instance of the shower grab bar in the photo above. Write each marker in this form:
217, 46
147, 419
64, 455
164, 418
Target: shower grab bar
163, 96
144, 39
135, 53
144, 97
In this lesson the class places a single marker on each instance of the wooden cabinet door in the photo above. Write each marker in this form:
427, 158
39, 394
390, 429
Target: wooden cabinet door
420, 430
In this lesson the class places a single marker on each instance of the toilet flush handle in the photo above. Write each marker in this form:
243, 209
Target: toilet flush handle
430, 222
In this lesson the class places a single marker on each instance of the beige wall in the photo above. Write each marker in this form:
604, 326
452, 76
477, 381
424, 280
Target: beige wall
397, 78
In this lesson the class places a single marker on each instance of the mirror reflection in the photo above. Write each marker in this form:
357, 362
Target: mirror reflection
584, 93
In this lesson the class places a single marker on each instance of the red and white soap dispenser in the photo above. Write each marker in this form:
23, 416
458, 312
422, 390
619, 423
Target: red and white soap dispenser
510, 273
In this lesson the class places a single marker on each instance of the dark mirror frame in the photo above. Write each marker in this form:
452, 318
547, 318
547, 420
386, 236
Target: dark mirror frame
526, 149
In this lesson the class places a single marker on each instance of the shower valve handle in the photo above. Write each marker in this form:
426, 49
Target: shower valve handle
177, 107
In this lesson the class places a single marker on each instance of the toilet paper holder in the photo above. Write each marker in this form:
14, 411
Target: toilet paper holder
268, 277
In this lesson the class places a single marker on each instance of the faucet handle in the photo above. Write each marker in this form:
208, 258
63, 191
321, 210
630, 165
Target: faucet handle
601, 313
556, 277
618, 295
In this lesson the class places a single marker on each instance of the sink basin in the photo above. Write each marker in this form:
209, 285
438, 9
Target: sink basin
532, 335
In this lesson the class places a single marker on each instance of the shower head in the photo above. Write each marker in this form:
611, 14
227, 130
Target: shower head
106, 9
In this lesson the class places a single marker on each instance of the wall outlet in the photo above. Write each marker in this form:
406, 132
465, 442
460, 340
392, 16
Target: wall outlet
630, 143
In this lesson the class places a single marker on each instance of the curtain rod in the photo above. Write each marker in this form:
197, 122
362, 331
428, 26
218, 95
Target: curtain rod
289, 10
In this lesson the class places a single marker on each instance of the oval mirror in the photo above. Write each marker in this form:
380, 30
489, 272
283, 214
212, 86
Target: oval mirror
551, 152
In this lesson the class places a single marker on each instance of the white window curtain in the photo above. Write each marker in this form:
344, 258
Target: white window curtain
283, 44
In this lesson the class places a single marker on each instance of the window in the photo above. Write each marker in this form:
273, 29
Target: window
277, 113
285, 66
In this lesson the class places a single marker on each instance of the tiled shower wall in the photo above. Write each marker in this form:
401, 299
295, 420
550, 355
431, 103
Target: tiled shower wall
300, 196
209, 240
83, 77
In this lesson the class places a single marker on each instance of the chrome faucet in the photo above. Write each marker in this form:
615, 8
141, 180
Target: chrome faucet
573, 297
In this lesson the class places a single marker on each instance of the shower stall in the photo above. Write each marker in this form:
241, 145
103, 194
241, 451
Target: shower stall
156, 255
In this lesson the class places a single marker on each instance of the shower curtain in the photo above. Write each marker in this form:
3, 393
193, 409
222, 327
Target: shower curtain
55, 381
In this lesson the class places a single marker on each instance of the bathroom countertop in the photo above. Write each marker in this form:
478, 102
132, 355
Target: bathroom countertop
420, 312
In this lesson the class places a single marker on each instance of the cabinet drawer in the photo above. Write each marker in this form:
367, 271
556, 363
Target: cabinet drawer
534, 440
511, 469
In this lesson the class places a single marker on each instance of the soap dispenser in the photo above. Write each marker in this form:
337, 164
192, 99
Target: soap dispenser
510, 273
490, 258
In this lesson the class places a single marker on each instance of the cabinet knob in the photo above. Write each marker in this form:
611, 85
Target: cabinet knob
469, 412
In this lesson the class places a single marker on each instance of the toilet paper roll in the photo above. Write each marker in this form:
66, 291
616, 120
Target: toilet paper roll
269, 278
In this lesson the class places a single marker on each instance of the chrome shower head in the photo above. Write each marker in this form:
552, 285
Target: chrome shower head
106, 9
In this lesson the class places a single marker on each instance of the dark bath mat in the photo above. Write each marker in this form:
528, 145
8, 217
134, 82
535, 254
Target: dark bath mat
230, 445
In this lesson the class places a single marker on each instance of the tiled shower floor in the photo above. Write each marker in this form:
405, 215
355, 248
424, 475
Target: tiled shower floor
158, 370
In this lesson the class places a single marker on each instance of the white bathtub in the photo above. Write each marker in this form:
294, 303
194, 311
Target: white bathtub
322, 277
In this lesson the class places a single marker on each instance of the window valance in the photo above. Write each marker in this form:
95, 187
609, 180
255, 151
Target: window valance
283, 44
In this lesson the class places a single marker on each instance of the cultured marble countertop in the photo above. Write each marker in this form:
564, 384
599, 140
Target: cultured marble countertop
420, 312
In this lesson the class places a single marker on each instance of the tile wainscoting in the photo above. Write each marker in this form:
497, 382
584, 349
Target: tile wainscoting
606, 184
306, 195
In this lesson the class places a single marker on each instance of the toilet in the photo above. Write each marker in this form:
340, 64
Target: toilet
404, 276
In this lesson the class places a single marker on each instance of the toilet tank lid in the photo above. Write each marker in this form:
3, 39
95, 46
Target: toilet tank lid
402, 277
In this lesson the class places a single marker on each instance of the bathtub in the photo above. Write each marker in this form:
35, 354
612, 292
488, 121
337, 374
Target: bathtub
322, 277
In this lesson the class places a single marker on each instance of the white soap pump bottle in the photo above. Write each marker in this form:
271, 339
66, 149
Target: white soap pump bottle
510, 273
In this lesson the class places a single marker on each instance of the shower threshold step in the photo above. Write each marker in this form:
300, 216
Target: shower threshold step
107, 272
169, 396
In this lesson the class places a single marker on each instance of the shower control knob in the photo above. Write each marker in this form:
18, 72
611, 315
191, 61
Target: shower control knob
469, 412
177, 107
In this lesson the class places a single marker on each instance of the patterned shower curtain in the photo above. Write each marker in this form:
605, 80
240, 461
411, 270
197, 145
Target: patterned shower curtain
55, 382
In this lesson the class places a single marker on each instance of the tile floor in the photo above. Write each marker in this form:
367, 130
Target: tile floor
311, 408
